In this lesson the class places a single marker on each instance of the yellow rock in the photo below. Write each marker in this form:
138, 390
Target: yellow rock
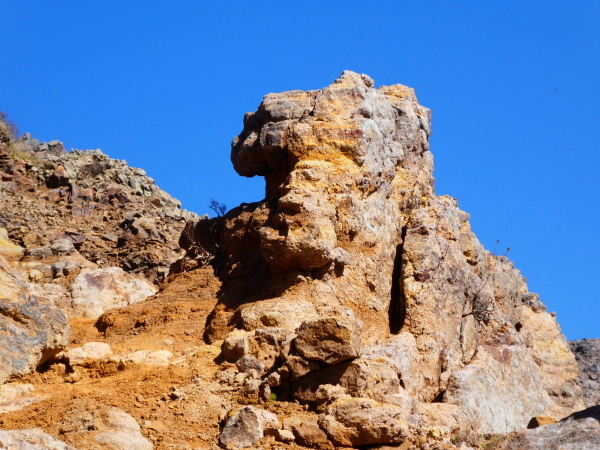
7, 248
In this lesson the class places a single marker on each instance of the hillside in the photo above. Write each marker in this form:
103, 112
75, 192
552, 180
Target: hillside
351, 307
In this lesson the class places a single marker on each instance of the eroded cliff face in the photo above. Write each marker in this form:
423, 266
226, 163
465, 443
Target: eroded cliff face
352, 267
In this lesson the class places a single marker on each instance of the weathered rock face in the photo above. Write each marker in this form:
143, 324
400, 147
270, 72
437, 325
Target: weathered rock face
97, 290
351, 226
56, 203
580, 431
587, 353
33, 329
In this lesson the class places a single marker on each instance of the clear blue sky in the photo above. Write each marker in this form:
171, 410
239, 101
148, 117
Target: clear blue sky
514, 87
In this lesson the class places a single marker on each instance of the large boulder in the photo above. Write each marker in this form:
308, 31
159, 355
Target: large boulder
587, 353
330, 339
359, 421
31, 439
97, 290
109, 427
34, 330
7, 248
244, 426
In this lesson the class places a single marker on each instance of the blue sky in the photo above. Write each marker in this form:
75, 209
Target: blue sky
513, 86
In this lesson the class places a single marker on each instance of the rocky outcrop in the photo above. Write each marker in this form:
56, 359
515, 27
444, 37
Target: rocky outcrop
351, 227
97, 290
351, 307
244, 426
579, 431
359, 421
56, 203
33, 329
587, 353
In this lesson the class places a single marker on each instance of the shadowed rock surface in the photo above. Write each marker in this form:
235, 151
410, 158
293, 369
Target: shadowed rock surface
579, 431
587, 354
32, 329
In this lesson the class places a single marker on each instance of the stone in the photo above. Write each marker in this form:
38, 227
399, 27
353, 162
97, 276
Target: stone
284, 435
251, 387
359, 378
439, 415
273, 379
62, 247
579, 431
110, 427
234, 347
7, 248
30, 439
587, 354
327, 394
156, 358
12, 391
401, 353
97, 290
247, 363
556, 363
307, 432
299, 366
245, 426
15, 397
330, 339
358, 421
351, 222
499, 391
123, 440
58, 178
272, 313
34, 330
89, 351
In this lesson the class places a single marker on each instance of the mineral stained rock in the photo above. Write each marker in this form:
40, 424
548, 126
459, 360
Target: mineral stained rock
351, 227
361, 421
33, 329
587, 353
244, 426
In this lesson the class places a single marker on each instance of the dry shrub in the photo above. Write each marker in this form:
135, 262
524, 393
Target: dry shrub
8, 130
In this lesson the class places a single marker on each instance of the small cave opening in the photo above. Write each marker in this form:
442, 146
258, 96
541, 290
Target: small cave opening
439, 398
518, 326
397, 309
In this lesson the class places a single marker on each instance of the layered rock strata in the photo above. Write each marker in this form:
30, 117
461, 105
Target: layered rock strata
352, 267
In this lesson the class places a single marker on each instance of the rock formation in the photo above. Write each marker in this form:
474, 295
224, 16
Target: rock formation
32, 328
587, 353
351, 307
353, 257
579, 431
